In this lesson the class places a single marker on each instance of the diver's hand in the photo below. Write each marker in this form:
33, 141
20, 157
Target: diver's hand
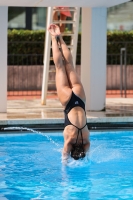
54, 30
65, 157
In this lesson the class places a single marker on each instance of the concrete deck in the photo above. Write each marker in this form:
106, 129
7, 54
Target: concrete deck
32, 112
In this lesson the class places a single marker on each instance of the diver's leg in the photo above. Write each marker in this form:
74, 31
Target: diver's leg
63, 88
73, 77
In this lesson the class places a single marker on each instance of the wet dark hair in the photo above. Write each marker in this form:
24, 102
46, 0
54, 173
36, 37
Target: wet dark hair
77, 151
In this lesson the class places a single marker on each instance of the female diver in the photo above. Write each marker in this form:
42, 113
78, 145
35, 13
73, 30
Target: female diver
72, 97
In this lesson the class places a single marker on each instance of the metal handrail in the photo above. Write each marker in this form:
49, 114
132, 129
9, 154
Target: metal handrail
123, 50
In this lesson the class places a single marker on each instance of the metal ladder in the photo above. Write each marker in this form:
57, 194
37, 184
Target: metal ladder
73, 44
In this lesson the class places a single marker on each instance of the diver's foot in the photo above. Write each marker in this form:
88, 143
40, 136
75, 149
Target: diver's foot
54, 30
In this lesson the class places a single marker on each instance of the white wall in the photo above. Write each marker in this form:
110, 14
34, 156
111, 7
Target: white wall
93, 57
70, 3
3, 58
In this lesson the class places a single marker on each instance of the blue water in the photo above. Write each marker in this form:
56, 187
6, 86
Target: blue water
31, 168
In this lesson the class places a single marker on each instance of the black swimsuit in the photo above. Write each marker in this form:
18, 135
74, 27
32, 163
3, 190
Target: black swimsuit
74, 102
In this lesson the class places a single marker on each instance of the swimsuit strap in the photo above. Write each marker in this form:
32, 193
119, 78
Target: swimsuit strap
79, 131
58, 41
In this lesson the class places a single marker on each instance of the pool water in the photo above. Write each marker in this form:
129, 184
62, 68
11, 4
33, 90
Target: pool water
31, 168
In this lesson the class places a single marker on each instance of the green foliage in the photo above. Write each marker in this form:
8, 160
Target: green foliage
24, 43
117, 40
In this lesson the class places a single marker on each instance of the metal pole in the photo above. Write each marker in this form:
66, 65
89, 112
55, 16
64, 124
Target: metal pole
121, 75
121, 70
46, 57
125, 74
